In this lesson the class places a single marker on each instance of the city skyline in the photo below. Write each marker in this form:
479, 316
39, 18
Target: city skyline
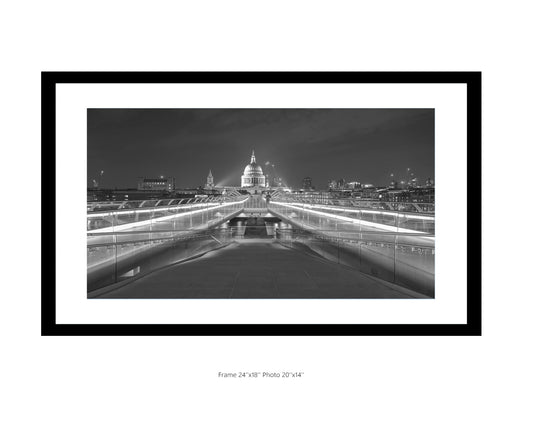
367, 145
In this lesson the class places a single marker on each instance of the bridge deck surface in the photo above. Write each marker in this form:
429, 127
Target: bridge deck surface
257, 268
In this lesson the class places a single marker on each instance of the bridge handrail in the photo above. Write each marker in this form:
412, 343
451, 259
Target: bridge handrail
111, 206
418, 207
360, 209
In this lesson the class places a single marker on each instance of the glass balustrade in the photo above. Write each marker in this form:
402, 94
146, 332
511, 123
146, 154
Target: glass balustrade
404, 259
124, 242
394, 246
351, 218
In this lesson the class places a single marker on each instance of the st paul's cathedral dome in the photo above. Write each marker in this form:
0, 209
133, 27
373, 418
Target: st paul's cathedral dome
253, 175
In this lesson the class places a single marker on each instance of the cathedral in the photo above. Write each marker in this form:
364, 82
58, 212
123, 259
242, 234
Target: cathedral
252, 179
253, 175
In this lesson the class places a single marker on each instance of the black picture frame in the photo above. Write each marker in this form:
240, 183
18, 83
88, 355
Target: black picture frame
49, 326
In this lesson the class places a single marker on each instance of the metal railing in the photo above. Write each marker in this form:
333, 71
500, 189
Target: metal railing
399, 206
352, 218
184, 216
137, 204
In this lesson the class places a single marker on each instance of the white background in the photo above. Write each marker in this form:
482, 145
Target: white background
347, 380
449, 305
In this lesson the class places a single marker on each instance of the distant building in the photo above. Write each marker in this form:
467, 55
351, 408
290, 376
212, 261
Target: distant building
353, 185
396, 196
126, 194
307, 185
209, 184
422, 195
412, 195
337, 184
156, 184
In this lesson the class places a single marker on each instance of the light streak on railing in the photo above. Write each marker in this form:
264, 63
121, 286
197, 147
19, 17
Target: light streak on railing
165, 202
352, 220
359, 209
153, 209
122, 227
387, 205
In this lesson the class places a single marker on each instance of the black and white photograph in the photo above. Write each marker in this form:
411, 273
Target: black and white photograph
261, 203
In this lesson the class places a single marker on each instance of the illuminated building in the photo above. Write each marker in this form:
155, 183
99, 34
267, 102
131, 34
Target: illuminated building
353, 185
156, 184
253, 175
337, 184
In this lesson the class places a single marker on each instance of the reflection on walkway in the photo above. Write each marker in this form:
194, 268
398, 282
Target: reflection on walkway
258, 268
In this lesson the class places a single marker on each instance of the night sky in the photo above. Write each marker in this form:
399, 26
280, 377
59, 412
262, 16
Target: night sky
364, 145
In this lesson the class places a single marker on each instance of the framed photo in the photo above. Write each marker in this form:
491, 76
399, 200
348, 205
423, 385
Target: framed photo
261, 203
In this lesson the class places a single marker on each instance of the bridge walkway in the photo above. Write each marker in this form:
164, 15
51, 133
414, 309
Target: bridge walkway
258, 268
